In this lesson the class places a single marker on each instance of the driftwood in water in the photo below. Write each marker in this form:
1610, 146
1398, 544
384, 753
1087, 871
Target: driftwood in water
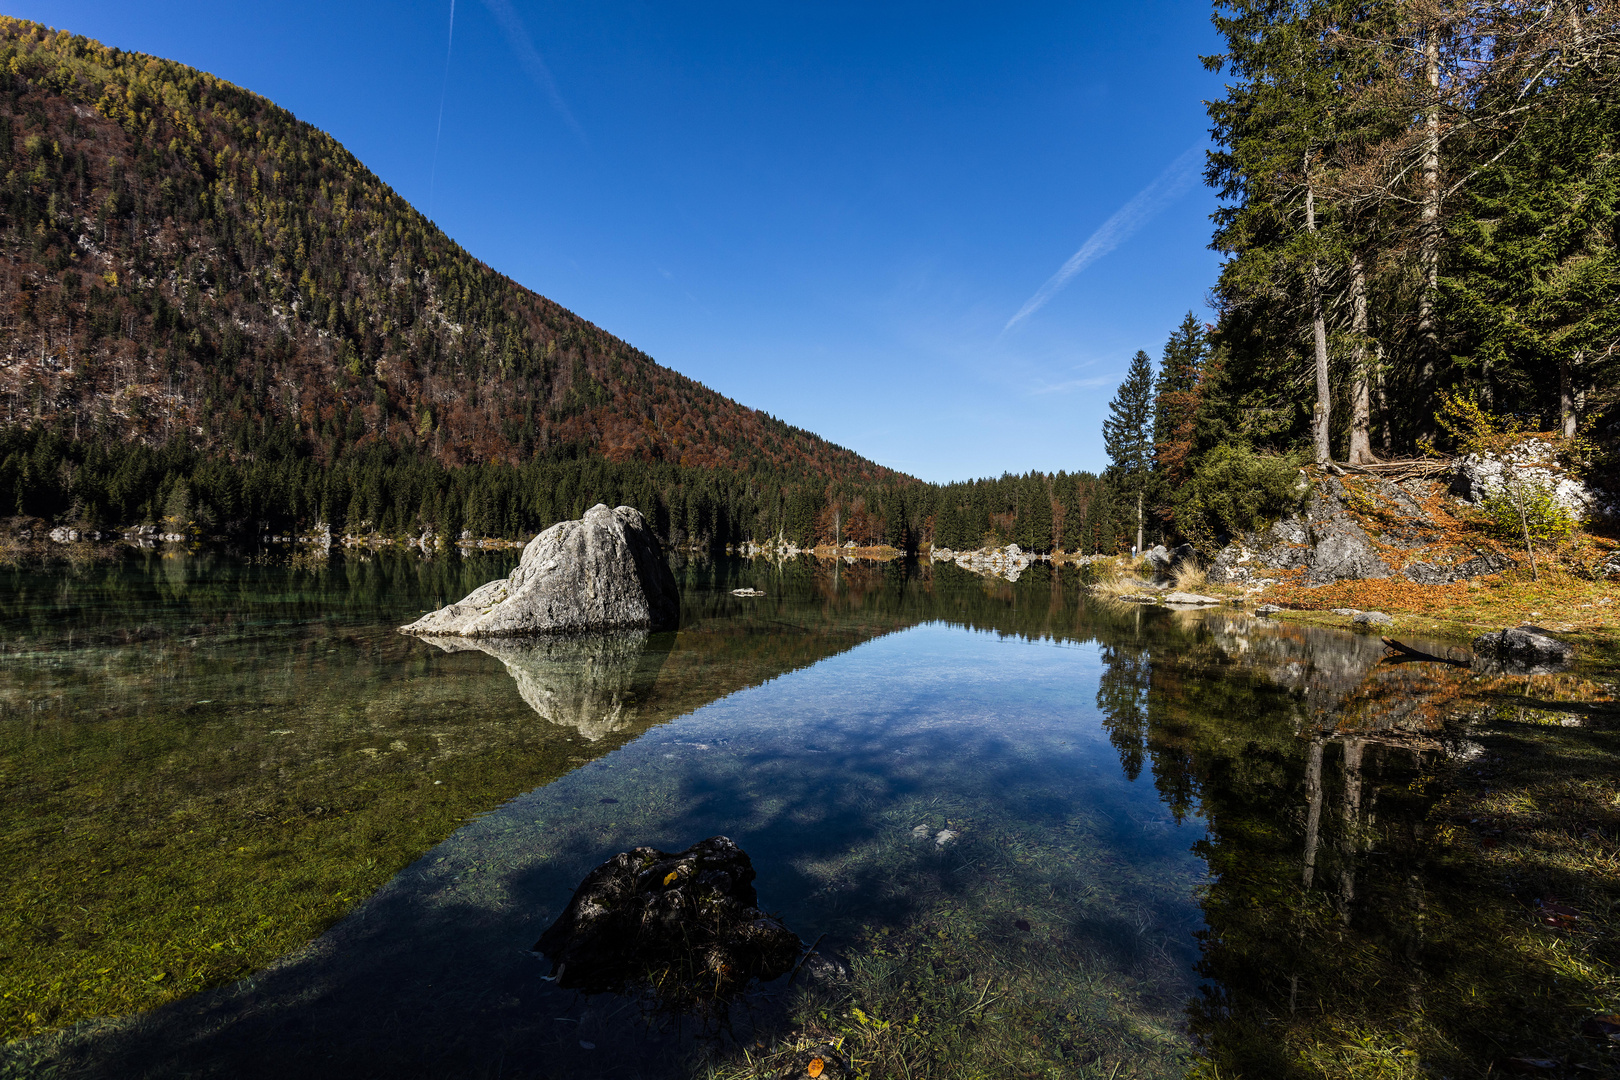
1407, 652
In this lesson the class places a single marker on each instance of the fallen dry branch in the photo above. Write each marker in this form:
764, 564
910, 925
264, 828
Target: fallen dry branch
1407, 652
1413, 469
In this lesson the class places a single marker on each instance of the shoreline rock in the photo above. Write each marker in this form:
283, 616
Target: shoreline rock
1327, 542
1532, 461
1521, 650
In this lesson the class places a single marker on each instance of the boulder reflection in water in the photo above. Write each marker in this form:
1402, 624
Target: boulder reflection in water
591, 682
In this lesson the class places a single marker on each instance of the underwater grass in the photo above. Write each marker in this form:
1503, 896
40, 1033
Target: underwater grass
151, 849
1026, 951
128, 887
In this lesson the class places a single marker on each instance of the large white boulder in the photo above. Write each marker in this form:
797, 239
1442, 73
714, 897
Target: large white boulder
602, 572
1530, 462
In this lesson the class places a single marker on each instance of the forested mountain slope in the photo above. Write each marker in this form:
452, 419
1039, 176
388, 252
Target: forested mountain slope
182, 259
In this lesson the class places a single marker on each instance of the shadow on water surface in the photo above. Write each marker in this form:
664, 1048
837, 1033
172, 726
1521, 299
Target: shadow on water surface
1181, 842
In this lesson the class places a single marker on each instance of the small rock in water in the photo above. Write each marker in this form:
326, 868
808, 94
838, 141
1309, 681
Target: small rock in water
818, 968
1523, 650
1267, 609
920, 832
1371, 618
687, 924
943, 837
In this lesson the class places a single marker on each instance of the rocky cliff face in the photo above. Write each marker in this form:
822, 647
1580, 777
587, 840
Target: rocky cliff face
1364, 527
1534, 463
602, 572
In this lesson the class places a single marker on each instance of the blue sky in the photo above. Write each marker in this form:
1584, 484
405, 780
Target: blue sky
934, 233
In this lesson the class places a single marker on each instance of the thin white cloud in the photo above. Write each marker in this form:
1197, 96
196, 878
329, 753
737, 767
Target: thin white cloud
517, 36
1070, 385
444, 88
1167, 187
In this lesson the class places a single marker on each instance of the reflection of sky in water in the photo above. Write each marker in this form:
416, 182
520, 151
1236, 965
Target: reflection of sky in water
863, 720
937, 723
823, 776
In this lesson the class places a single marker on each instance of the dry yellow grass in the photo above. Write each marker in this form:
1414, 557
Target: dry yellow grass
1189, 576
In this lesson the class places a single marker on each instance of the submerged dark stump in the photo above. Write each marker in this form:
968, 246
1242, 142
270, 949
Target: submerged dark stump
686, 926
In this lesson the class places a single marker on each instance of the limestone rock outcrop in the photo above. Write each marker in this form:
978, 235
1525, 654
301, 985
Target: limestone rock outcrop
1534, 463
1165, 560
1327, 542
602, 572
1007, 562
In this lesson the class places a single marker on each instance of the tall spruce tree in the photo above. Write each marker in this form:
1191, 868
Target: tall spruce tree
1034, 513
1536, 268
1175, 407
1128, 437
1274, 128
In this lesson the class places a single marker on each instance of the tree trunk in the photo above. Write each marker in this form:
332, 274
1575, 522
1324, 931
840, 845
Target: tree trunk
1386, 440
1360, 380
1324, 401
1566, 398
1429, 234
1139, 522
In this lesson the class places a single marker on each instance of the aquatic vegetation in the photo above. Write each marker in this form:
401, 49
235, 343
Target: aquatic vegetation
206, 764
1038, 960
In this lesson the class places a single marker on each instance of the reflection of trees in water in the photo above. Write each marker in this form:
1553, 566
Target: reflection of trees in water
1334, 914
1122, 697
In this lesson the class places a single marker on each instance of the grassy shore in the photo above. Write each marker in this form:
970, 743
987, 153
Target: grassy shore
1581, 610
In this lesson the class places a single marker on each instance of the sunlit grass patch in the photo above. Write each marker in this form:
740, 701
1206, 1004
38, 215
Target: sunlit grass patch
1190, 576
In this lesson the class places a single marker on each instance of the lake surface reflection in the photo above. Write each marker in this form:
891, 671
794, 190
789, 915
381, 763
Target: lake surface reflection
1043, 837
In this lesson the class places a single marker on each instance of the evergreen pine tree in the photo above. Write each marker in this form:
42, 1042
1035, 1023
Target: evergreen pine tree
1175, 410
1128, 437
1034, 514
1068, 493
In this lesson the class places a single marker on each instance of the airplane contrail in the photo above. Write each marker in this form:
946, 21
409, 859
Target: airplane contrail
517, 36
1165, 189
444, 87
